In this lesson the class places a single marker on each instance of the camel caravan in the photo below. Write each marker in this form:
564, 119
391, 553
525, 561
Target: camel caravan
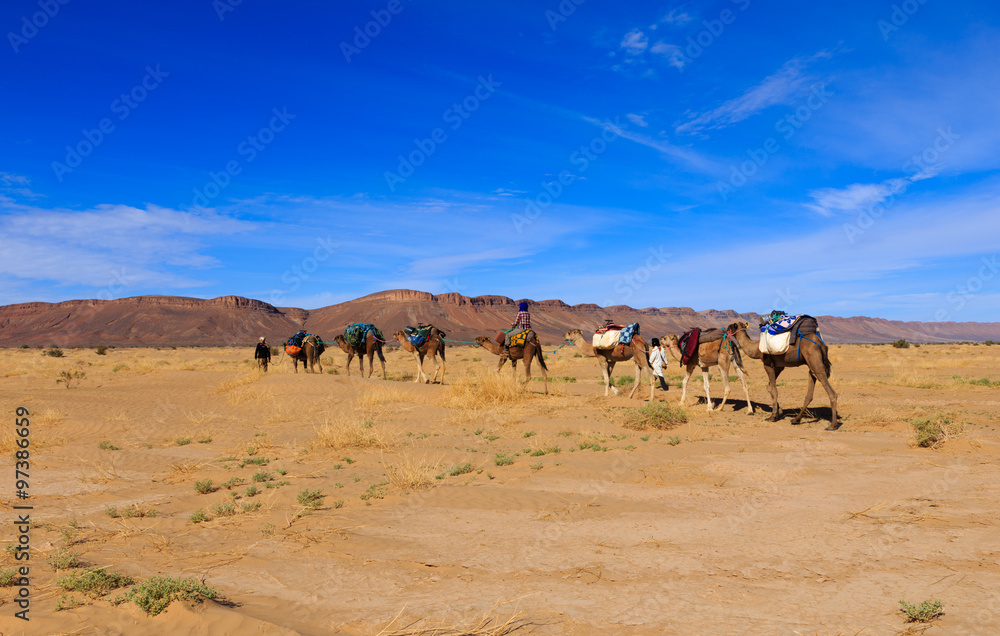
785, 341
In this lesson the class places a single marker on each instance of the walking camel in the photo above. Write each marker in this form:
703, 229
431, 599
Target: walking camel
369, 347
808, 352
532, 349
312, 349
718, 353
607, 358
433, 346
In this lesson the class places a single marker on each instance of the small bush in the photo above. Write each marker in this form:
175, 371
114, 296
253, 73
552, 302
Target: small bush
63, 559
930, 432
106, 445
128, 512
101, 350
263, 476
205, 486
503, 460
461, 469
7, 577
54, 352
94, 582
251, 491
119, 367
199, 516
154, 594
674, 440
224, 509
311, 499
901, 344
182, 441
924, 613
656, 415
251, 506
70, 378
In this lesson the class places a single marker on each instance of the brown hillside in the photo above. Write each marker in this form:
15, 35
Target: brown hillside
232, 320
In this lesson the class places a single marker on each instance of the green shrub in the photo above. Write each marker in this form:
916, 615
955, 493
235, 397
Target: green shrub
930, 431
199, 516
182, 441
924, 613
106, 445
94, 582
262, 476
7, 577
154, 594
503, 460
63, 559
205, 486
461, 469
901, 344
70, 378
53, 352
101, 350
311, 499
224, 509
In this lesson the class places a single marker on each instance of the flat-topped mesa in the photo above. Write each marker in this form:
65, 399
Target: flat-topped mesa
396, 295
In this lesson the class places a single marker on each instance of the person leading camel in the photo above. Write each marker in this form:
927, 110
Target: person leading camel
262, 354
521, 324
657, 360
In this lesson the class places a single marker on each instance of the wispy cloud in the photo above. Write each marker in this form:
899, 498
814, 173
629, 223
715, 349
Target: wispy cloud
782, 87
638, 120
634, 42
855, 197
671, 53
676, 16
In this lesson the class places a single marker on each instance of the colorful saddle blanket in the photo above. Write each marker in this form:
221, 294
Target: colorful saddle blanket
520, 339
779, 324
417, 335
688, 344
356, 334
610, 336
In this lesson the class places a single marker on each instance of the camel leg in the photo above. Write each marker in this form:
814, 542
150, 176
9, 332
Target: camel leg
350, 358
437, 367
545, 374
834, 424
708, 394
772, 388
746, 390
361, 364
371, 363
809, 397
500, 364
684, 384
381, 359
725, 385
420, 366
638, 377
527, 370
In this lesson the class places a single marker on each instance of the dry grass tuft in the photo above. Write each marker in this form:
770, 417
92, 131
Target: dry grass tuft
908, 378
409, 473
350, 432
240, 381
493, 623
484, 392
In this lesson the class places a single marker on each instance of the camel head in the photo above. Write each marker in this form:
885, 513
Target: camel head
573, 335
339, 338
399, 335
739, 325
671, 340
482, 340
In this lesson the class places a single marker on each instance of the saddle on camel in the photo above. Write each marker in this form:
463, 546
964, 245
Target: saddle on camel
690, 339
779, 331
356, 334
418, 335
612, 336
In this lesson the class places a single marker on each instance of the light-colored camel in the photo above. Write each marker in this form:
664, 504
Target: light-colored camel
433, 346
636, 351
808, 352
532, 349
312, 349
710, 354
369, 347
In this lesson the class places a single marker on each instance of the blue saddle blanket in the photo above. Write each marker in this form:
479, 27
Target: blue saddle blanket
627, 333
780, 326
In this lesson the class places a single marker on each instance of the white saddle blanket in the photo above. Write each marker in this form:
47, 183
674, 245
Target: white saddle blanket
606, 340
774, 344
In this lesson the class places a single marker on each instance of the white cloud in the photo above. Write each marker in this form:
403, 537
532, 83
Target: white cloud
671, 52
782, 87
638, 120
676, 16
857, 196
635, 42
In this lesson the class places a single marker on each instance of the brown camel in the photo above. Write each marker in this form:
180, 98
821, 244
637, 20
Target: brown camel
710, 354
532, 349
370, 347
636, 350
312, 349
807, 351
433, 346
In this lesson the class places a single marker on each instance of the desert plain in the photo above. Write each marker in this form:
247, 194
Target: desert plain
478, 508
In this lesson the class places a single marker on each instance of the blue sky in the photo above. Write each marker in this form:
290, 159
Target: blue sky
831, 159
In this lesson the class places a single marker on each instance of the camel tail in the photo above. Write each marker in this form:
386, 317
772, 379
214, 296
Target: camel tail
380, 355
541, 359
827, 366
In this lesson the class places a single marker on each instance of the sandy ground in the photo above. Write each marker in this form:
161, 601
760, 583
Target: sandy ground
725, 524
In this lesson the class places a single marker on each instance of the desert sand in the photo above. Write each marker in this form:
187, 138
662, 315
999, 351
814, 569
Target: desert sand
722, 524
